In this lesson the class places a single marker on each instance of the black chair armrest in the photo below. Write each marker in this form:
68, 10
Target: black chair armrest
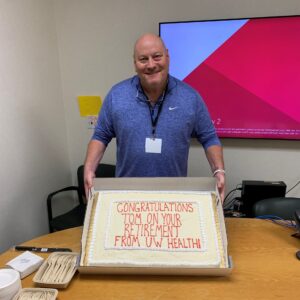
50, 196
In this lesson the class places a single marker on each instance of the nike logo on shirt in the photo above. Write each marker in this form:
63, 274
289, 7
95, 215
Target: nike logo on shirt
172, 107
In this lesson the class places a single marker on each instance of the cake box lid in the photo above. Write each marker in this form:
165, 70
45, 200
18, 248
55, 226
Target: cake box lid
198, 184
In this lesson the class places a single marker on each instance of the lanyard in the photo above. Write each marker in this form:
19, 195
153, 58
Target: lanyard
155, 120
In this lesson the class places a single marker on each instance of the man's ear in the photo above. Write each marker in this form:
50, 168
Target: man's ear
167, 55
135, 66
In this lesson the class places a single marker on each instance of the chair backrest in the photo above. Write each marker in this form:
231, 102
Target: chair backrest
103, 170
283, 207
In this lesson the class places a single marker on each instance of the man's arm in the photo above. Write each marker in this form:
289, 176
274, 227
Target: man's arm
214, 156
94, 155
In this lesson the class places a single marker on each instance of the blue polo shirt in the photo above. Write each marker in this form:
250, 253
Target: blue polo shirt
125, 115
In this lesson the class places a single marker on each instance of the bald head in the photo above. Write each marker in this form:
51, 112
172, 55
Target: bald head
147, 40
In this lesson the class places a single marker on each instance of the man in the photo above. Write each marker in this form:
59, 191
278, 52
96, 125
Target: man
153, 117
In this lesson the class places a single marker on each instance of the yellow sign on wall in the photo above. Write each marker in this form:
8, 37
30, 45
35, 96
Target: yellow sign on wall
89, 105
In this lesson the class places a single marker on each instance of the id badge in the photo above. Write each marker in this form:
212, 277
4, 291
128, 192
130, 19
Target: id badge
153, 145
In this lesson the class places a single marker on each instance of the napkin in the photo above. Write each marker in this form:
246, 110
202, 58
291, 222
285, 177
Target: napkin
25, 263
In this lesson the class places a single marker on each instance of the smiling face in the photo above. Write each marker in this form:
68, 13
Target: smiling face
151, 60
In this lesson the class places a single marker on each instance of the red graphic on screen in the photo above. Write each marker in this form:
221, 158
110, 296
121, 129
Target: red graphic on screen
254, 76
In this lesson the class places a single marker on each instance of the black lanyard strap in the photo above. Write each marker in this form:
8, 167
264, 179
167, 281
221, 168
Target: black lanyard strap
155, 120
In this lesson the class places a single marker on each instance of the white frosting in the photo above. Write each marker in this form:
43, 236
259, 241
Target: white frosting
153, 229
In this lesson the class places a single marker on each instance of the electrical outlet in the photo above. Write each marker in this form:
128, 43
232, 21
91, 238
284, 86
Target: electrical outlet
92, 122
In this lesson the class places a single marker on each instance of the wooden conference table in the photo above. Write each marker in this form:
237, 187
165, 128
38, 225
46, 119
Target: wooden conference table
265, 267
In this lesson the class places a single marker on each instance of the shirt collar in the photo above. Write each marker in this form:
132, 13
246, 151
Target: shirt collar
140, 93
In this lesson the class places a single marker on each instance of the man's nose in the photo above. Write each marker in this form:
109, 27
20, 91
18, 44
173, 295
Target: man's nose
150, 63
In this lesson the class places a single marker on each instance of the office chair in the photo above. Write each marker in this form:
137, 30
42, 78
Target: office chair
74, 217
281, 207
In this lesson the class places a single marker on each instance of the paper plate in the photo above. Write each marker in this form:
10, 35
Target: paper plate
10, 283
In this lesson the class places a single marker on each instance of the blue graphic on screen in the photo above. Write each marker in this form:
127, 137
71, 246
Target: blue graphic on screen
189, 44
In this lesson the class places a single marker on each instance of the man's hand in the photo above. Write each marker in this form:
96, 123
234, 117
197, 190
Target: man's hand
220, 177
214, 156
94, 155
88, 181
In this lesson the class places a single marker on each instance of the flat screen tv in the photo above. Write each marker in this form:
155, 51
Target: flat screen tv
246, 70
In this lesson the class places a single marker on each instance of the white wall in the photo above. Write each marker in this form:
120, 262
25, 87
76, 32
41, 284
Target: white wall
95, 43
33, 147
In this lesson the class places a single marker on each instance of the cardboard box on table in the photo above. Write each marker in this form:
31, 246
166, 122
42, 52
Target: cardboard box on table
202, 184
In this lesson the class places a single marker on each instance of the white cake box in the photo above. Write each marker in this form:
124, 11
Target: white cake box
157, 184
